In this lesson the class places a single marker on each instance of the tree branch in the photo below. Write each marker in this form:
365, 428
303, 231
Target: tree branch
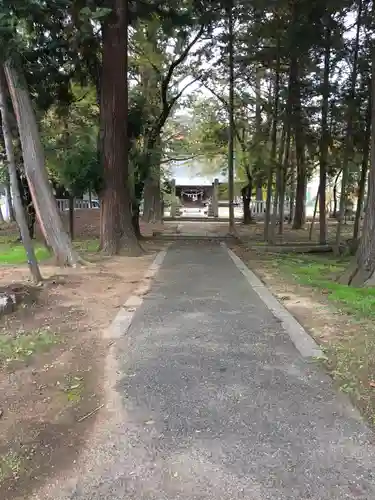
79, 99
179, 94
225, 102
218, 96
169, 159
177, 62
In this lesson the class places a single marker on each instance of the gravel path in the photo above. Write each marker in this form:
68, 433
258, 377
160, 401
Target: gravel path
216, 402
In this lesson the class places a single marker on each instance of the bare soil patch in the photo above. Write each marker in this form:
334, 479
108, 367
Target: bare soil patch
51, 365
86, 226
254, 233
310, 307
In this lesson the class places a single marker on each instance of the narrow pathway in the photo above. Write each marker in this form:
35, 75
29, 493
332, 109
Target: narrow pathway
220, 405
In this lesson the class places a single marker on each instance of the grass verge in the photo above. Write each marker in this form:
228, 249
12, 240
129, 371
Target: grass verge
15, 253
12, 252
350, 350
321, 272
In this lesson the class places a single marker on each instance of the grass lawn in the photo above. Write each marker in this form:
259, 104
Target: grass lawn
321, 272
350, 358
12, 253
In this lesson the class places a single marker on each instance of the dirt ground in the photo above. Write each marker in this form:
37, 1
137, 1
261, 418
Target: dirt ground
51, 363
254, 233
86, 226
310, 308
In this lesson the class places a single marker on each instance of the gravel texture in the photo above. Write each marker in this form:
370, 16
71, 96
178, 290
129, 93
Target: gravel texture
215, 402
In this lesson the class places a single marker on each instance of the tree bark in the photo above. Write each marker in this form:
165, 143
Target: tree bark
152, 200
246, 200
135, 222
116, 221
278, 189
151, 192
292, 188
314, 214
230, 15
1, 216
273, 145
324, 140
284, 177
8, 194
258, 123
348, 149
259, 191
295, 89
19, 211
362, 272
334, 212
364, 168
36, 173
299, 214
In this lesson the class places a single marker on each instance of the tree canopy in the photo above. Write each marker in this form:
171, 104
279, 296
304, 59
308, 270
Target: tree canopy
120, 89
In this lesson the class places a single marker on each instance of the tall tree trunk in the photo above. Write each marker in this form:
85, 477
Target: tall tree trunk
135, 222
363, 270
292, 187
152, 192
284, 177
20, 213
348, 150
364, 168
258, 128
230, 15
246, 198
116, 222
334, 212
324, 140
258, 104
286, 162
276, 200
152, 199
8, 195
151, 84
2, 220
36, 173
314, 214
273, 145
299, 213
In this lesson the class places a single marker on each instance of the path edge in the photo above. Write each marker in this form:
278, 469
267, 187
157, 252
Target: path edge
67, 483
123, 319
302, 340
